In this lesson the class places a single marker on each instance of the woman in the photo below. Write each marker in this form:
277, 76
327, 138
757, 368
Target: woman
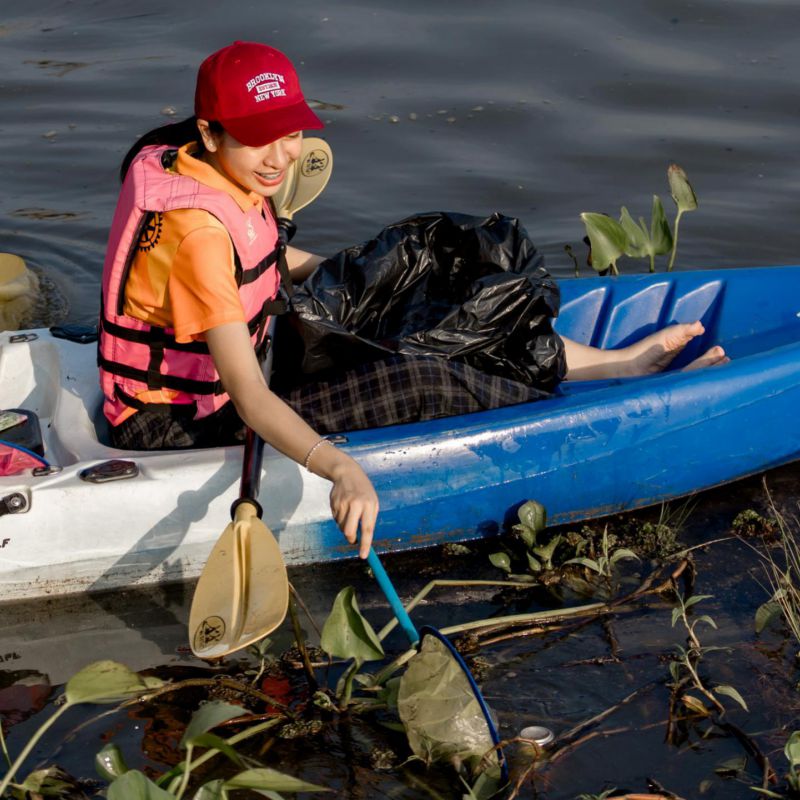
190, 278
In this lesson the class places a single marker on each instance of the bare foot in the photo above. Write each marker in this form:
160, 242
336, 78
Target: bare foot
654, 353
712, 357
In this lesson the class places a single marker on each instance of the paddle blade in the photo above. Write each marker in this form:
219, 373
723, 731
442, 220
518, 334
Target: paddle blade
243, 592
305, 178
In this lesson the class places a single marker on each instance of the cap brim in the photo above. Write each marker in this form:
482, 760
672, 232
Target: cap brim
257, 130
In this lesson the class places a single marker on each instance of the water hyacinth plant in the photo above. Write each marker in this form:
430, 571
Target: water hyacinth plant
611, 239
111, 683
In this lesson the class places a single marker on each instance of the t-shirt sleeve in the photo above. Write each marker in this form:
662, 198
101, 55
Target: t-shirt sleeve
202, 287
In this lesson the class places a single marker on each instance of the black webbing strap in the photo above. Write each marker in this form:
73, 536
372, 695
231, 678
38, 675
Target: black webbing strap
164, 381
173, 409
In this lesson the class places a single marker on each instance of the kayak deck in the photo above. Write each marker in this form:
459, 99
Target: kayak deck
595, 448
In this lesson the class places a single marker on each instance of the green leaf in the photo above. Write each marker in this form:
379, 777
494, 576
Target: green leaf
708, 621
638, 240
585, 562
486, 786
107, 682
675, 670
271, 780
389, 691
696, 598
607, 238
46, 783
676, 615
681, 189
621, 553
501, 561
546, 551
346, 634
213, 790
134, 785
766, 613
534, 565
110, 763
214, 742
693, 704
792, 750
208, 716
534, 515
729, 691
441, 715
522, 577
660, 233
733, 766
528, 535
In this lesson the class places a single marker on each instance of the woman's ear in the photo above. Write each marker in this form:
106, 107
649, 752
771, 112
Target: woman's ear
209, 140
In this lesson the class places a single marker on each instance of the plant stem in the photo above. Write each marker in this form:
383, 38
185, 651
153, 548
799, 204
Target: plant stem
187, 771
33, 741
423, 593
3, 743
301, 646
555, 613
384, 674
674, 241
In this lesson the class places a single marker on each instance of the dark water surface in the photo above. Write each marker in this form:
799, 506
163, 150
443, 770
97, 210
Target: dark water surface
539, 110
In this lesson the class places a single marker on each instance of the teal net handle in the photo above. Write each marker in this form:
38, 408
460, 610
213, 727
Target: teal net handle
391, 595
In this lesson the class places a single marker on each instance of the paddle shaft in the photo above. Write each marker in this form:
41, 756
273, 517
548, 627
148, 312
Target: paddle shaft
254, 444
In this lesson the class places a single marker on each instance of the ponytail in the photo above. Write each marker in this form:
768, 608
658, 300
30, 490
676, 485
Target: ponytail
175, 134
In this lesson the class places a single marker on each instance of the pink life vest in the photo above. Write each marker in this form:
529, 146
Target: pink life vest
134, 356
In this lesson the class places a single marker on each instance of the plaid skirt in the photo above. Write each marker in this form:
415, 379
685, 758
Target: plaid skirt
394, 391
402, 389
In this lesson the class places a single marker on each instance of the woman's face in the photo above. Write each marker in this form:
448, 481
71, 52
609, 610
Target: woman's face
255, 169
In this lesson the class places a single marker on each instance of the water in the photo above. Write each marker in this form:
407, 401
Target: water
538, 110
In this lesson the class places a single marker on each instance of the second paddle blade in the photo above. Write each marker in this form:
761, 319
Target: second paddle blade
243, 592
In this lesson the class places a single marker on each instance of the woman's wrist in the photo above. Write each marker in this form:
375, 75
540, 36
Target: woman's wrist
307, 461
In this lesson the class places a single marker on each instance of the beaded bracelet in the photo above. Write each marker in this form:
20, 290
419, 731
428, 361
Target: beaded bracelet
310, 453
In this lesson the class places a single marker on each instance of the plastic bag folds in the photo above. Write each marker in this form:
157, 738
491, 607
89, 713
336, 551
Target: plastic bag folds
435, 284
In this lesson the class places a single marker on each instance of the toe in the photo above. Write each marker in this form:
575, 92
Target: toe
713, 357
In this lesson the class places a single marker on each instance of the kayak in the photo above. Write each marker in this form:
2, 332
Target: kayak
89, 517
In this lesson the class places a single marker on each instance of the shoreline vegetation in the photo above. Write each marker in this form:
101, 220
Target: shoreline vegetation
243, 723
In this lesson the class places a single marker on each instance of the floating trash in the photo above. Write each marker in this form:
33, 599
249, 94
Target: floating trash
537, 733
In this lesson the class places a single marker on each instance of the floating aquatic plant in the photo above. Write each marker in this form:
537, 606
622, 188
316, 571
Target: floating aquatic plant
610, 239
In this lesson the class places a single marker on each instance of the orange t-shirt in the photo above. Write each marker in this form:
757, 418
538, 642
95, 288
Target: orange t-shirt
183, 274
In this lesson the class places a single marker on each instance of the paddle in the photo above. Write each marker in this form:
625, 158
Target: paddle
243, 592
445, 667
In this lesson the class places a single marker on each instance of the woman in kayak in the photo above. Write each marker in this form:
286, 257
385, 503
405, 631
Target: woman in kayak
190, 278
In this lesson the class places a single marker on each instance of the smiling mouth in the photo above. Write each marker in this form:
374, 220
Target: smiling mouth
270, 176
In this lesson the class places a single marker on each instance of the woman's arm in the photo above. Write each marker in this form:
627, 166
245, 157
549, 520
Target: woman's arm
354, 502
301, 264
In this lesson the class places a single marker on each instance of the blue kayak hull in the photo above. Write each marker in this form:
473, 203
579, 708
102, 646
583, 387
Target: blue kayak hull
594, 448
601, 447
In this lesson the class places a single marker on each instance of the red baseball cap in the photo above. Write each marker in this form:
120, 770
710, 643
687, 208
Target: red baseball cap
253, 91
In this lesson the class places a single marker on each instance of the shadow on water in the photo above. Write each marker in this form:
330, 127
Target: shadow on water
602, 685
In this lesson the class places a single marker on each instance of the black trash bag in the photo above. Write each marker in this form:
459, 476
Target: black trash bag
435, 284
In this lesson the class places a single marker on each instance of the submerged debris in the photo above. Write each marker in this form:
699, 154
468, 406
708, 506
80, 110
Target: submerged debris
749, 524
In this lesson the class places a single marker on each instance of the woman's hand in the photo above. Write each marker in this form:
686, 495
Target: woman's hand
354, 502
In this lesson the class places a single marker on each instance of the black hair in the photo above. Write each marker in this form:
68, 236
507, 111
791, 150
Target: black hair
175, 134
